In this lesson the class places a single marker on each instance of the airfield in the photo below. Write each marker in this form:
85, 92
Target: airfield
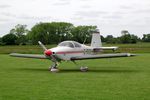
107, 79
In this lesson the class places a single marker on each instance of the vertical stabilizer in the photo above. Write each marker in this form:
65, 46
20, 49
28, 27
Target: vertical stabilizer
96, 40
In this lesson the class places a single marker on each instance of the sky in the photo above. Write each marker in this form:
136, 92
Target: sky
111, 16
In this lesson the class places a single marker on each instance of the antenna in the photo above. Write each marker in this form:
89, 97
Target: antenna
85, 39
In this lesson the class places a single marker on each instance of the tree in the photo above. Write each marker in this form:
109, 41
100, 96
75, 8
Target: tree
124, 32
110, 39
128, 38
134, 38
103, 39
146, 38
49, 33
22, 40
9, 39
0, 41
20, 31
63, 30
82, 33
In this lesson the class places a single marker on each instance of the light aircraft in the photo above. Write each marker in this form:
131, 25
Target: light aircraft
72, 51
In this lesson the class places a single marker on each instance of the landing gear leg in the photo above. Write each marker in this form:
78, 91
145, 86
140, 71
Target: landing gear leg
82, 68
54, 68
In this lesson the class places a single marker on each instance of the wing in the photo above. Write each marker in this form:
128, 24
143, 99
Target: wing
36, 56
100, 56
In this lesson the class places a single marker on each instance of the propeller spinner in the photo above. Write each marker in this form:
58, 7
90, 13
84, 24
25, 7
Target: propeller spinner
48, 52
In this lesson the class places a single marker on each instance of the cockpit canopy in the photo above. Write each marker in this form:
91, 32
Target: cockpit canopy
72, 44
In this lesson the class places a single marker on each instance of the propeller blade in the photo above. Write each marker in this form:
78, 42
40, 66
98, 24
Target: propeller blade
47, 52
40, 43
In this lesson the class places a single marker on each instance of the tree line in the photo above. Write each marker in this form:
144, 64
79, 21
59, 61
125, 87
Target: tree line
55, 32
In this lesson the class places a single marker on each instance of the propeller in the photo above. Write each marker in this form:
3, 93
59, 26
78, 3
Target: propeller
40, 43
47, 52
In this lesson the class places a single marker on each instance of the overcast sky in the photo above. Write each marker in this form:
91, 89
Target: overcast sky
111, 16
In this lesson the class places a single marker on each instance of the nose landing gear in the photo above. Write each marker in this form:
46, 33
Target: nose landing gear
54, 68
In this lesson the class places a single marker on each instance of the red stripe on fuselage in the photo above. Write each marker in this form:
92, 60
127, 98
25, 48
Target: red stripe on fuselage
69, 52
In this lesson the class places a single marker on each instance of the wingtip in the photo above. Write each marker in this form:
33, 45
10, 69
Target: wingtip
133, 54
12, 54
129, 54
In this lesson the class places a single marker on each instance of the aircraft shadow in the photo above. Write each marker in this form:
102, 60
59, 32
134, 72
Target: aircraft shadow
100, 70
78, 70
32, 69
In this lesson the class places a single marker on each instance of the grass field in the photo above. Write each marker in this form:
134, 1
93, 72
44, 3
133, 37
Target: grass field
107, 79
133, 48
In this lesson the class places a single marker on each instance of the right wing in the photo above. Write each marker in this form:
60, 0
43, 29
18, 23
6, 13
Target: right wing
36, 56
100, 56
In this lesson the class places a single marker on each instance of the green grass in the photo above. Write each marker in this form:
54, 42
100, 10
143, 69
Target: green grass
107, 79
23, 49
133, 48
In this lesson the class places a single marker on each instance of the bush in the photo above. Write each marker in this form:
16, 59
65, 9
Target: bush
9, 39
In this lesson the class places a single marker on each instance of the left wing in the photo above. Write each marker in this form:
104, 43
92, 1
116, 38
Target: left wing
36, 56
102, 56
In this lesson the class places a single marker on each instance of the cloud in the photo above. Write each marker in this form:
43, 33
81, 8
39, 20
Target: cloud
86, 6
3, 20
62, 3
7, 14
27, 17
24, 16
85, 0
126, 7
142, 11
90, 14
112, 17
5, 6
103, 13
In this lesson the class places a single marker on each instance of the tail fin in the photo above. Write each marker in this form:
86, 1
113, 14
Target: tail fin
96, 39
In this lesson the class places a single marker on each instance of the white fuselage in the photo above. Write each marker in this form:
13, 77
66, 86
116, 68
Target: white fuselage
65, 53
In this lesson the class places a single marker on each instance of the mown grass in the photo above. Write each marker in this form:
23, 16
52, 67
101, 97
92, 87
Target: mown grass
23, 49
133, 48
107, 79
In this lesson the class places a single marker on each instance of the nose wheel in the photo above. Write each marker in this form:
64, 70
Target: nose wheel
54, 68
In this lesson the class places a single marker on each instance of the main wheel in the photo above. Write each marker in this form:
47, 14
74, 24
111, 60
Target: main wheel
54, 69
84, 69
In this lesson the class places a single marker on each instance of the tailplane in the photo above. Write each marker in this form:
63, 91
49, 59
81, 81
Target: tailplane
97, 44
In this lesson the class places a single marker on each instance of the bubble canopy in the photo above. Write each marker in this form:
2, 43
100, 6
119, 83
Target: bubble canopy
72, 44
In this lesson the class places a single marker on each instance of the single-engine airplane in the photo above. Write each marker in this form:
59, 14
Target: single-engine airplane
72, 51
